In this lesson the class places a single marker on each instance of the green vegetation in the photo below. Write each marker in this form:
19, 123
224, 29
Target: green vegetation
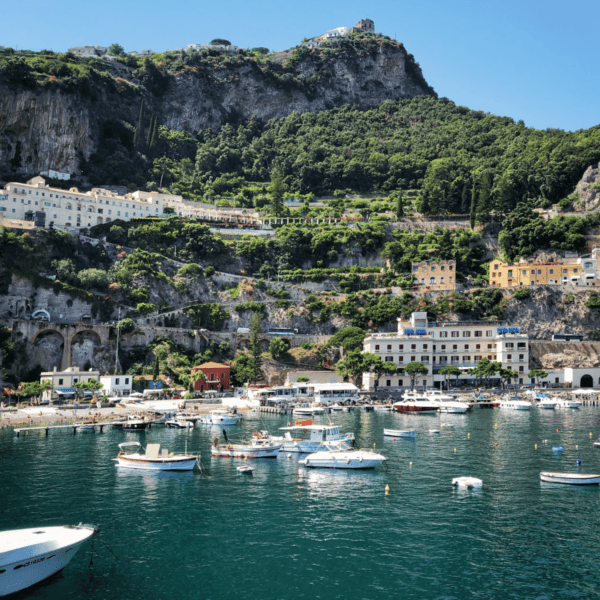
522, 293
593, 300
413, 370
355, 364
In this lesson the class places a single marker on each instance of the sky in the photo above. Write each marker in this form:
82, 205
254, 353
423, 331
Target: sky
530, 60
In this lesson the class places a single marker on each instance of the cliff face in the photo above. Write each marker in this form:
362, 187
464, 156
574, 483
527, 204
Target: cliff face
49, 127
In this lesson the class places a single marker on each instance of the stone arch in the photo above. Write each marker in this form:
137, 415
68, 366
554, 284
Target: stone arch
48, 349
243, 344
587, 381
84, 345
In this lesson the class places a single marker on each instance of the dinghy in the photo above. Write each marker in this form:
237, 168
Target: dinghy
406, 433
570, 478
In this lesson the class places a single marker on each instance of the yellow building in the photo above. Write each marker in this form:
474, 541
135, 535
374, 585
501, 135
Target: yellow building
435, 275
580, 271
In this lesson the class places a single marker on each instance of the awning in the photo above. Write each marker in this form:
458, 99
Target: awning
590, 276
64, 390
575, 277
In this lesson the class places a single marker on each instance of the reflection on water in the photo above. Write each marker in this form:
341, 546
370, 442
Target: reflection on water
293, 532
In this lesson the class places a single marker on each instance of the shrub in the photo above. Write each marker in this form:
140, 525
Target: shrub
145, 308
522, 294
593, 301
209, 271
192, 271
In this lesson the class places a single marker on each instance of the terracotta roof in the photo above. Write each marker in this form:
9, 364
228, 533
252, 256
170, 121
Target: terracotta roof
211, 365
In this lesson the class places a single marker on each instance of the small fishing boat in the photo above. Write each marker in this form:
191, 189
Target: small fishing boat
85, 426
154, 459
28, 556
403, 433
467, 483
255, 448
340, 455
245, 470
307, 411
220, 417
570, 478
179, 423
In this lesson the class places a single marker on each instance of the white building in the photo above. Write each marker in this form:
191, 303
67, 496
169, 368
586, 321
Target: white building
88, 51
62, 381
443, 344
56, 175
116, 385
35, 201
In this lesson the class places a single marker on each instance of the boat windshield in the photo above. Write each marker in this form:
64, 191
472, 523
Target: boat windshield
338, 446
130, 447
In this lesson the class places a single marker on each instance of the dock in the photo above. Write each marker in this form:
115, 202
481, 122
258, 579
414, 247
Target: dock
74, 426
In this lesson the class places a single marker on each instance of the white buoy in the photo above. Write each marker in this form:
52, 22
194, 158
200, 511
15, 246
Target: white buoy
467, 483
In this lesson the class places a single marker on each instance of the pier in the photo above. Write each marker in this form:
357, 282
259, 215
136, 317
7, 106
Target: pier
74, 426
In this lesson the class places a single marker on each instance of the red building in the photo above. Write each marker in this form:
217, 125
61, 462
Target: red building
217, 377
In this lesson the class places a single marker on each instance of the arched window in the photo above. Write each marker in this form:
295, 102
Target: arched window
432, 280
99, 220
69, 207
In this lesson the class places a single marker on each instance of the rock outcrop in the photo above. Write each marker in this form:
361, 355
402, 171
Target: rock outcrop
588, 189
48, 126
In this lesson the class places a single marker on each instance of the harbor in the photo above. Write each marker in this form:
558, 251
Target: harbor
488, 540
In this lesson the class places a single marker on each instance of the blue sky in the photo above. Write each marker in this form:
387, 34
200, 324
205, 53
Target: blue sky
530, 60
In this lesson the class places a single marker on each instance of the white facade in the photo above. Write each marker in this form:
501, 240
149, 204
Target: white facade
443, 344
62, 381
75, 209
56, 175
582, 377
116, 385
88, 51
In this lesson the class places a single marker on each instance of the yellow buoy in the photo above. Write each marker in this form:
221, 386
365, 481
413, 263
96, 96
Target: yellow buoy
591, 435
374, 445
454, 449
387, 490
410, 464
468, 436
495, 425
536, 446
576, 447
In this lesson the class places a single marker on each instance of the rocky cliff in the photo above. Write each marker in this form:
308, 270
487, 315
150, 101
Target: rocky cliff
588, 189
48, 124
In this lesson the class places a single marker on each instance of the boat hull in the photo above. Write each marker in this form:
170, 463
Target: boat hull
570, 478
22, 574
421, 410
340, 462
239, 451
456, 408
399, 433
186, 464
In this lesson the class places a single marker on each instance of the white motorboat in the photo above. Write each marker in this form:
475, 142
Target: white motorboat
547, 403
256, 448
416, 403
308, 411
340, 455
319, 435
133, 423
566, 403
154, 459
336, 407
514, 404
403, 433
220, 417
179, 423
446, 403
570, 478
28, 556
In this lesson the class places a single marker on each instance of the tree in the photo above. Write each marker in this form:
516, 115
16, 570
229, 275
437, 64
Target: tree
486, 368
116, 50
92, 385
220, 42
537, 374
278, 347
243, 369
413, 370
34, 388
349, 338
276, 191
507, 375
260, 50
255, 347
450, 371
357, 363
197, 376
303, 379
156, 369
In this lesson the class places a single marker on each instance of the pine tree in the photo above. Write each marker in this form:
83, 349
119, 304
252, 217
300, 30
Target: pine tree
138, 129
484, 197
277, 189
149, 134
255, 348
474, 205
464, 200
155, 369
400, 207
154, 134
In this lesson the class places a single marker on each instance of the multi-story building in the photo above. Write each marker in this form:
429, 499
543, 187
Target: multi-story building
36, 201
443, 344
62, 381
217, 377
56, 175
436, 275
580, 271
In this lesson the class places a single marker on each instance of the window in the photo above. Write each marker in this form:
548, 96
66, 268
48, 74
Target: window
509, 357
533, 271
401, 359
575, 270
454, 359
455, 334
450, 268
450, 279
539, 271
551, 271
477, 358
432, 280
413, 358
477, 346
388, 382
443, 334
496, 267
389, 358
479, 334
521, 369
376, 346
401, 347
60, 382
510, 272
588, 265
565, 270
454, 347
389, 348
443, 348
467, 359
524, 272
117, 381
432, 269
126, 380
424, 346
488, 333
521, 357
466, 334
466, 347
490, 346
424, 359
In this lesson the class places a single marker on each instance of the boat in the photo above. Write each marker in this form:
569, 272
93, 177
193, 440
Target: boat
220, 417
340, 455
318, 436
570, 478
154, 459
515, 404
245, 470
179, 423
307, 411
382, 407
415, 403
467, 483
407, 433
566, 403
546, 402
28, 556
255, 448
133, 423
446, 403
85, 426
336, 407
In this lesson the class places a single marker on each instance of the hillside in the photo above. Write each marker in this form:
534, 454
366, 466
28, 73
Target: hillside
57, 109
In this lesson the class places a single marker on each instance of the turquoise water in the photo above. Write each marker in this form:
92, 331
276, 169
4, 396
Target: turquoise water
289, 532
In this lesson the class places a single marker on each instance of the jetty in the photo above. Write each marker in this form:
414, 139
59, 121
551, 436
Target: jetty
74, 426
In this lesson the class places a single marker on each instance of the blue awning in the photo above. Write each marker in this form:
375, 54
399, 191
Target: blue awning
64, 390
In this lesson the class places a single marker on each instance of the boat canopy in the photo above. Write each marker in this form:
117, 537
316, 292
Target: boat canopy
129, 446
